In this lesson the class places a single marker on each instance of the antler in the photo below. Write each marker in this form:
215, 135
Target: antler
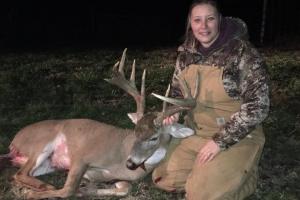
187, 103
118, 79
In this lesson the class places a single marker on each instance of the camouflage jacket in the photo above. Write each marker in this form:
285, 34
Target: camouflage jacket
245, 77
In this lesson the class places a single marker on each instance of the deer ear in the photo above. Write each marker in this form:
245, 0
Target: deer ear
157, 156
181, 131
135, 117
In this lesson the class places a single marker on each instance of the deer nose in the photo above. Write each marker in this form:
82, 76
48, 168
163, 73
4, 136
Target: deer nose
131, 165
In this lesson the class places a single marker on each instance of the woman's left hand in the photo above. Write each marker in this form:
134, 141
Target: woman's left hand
207, 152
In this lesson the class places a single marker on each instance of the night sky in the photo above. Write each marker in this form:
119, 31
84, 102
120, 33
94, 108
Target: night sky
114, 23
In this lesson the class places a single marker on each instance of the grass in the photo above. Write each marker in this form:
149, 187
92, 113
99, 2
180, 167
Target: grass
69, 84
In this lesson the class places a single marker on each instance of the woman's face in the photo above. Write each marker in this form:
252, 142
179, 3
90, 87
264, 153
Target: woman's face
205, 22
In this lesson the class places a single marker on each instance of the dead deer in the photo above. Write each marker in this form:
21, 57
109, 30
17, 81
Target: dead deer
96, 151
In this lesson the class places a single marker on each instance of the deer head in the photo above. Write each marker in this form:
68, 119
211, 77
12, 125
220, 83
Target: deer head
152, 136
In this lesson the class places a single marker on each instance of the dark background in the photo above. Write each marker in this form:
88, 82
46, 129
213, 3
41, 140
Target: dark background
29, 24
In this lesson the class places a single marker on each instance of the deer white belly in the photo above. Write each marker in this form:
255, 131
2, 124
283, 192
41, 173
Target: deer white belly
54, 156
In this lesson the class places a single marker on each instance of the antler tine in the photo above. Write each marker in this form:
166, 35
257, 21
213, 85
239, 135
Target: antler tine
132, 76
118, 78
143, 92
184, 87
115, 67
166, 95
189, 100
187, 103
122, 62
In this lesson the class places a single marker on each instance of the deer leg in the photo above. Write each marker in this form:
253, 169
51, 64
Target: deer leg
73, 180
122, 188
22, 178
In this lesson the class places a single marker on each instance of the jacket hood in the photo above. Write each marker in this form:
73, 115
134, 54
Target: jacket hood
230, 29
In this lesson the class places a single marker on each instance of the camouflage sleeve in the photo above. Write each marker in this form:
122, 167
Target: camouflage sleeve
254, 93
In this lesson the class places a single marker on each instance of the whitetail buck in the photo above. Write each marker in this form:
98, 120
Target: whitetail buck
93, 150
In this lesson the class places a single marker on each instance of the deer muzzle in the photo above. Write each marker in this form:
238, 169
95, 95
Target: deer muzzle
133, 166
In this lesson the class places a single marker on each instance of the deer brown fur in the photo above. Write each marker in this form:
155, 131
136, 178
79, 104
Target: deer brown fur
92, 150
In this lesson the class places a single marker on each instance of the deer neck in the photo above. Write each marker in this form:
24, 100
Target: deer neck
128, 142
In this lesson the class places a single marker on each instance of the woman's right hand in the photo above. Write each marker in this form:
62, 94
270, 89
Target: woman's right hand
171, 119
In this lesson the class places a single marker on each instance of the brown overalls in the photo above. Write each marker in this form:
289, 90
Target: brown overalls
232, 174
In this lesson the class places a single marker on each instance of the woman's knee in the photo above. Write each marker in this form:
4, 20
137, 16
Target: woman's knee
162, 182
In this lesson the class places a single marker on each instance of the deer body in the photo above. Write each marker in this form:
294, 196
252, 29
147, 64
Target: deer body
99, 150
58, 143
93, 150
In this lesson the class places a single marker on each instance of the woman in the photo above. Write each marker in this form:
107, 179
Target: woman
220, 161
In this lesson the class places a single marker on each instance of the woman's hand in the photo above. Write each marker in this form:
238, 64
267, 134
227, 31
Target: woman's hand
171, 119
207, 152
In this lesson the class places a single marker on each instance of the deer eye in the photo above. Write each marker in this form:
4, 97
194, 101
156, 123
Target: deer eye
153, 139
